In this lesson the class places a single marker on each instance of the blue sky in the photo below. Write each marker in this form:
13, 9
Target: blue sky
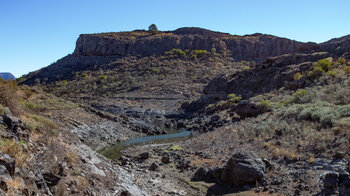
36, 33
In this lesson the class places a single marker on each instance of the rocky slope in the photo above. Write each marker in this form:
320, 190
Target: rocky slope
94, 50
276, 123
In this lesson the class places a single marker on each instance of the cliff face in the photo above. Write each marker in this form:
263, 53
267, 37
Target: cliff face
95, 50
141, 43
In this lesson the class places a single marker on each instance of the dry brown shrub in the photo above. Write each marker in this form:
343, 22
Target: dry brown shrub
8, 95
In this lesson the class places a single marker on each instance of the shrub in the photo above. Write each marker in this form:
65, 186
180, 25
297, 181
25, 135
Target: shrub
27, 92
323, 112
297, 76
42, 125
315, 73
347, 69
332, 73
72, 157
85, 75
264, 105
246, 68
15, 149
300, 93
341, 61
213, 51
102, 77
234, 98
198, 53
325, 64
8, 95
30, 106
175, 52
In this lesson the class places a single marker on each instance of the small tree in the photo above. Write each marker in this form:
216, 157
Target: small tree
153, 29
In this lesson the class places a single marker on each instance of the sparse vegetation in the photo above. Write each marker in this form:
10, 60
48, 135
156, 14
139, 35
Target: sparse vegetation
8, 95
15, 149
234, 98
41, 124
297, 76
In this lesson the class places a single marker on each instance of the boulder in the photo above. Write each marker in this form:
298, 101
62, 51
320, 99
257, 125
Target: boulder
339, 155
154, 166
247, 109
9, 162
243, 169
51, 179
329, 180
165, 159
144, 155
202, 174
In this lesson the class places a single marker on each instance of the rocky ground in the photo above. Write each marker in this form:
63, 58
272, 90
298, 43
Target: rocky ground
267, 125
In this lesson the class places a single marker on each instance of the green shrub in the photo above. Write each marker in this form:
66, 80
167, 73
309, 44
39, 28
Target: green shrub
213, 51
198, 53
30, 106
41, 124
265, 105
64, 82
297, 76
315, 73
323, 112
341, 61
175, 52
85, 75
234, 98
300, 93
102, 77
347, 69
325, 64
332, 73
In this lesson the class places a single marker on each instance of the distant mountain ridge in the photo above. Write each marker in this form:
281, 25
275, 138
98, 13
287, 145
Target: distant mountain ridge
7, 76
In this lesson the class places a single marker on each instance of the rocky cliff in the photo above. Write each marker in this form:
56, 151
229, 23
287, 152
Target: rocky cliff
141, 43
94, 51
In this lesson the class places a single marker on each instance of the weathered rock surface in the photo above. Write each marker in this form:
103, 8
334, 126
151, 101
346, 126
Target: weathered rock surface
243, 169
246, 109
141, 43
8, 162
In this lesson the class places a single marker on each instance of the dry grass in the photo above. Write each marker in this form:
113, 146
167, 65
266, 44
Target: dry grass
16, 150
8, 95
16, 183
41, 124
312, 159
72, 157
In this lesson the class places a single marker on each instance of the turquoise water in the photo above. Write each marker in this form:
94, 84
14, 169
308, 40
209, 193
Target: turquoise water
115, 151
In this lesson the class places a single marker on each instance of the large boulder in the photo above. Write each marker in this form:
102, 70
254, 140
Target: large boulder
247, 109
329, 180
243, 169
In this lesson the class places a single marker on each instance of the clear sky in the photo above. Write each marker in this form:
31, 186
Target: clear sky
36, 33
